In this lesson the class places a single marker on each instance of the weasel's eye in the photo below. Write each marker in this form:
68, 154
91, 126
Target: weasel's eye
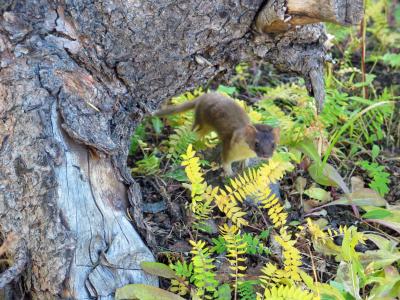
257, 145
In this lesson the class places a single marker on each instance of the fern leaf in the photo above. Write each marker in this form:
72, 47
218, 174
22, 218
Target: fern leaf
236, 250
287, 293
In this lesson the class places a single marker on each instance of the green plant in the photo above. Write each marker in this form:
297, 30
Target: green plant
254, 244
149, 165
137, 138
356, 270
353, 134
236, 249
203, 275
379, 177
246, 289
180, 140
219, 245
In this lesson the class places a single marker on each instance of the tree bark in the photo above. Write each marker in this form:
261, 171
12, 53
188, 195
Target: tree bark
76, 77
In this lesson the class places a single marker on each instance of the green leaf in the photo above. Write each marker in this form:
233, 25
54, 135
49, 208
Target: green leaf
368, 81
377, 214
390, 224
381, 242
360, 197
219, 245
294, 223
136, 138
158, 269
380, 178
144, 292
177, 174
157, 124
308, 148
318, 194
224, 292
229, 90
320, 176
379, 258
265, 233
149, 165
334, 175
375, 151
347, 276
387, 285
392, 59
340, 287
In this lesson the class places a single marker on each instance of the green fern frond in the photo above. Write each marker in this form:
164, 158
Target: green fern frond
149, 165
236, 251
246, 289
180, 140
203, 275
380, 178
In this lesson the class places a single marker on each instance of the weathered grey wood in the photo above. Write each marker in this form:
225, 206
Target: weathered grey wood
76, 77
20, 259
281, 15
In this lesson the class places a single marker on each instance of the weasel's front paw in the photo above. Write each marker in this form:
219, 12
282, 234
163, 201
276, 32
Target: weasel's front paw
228, 170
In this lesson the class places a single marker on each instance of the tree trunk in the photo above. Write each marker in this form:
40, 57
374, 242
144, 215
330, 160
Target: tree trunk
76, 77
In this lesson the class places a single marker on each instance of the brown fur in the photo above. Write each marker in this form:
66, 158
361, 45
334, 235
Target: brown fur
240, 139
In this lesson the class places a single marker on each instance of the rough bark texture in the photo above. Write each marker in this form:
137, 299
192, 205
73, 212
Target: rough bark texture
76, 76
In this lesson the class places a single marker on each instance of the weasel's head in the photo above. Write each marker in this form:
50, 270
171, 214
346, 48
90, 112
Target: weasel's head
265, 140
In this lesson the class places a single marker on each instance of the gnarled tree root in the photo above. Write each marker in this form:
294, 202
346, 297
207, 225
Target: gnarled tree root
20, 262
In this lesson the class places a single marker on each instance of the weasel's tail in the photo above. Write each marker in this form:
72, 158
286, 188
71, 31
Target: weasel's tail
170, 110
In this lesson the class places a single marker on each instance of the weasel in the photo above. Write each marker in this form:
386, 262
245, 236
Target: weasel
240, 139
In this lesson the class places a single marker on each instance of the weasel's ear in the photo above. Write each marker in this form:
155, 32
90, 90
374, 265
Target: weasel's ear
245, 134
277, 134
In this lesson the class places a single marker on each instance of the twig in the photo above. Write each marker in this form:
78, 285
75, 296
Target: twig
313, 264
363, 45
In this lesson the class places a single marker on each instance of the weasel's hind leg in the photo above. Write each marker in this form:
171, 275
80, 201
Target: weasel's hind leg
226, 163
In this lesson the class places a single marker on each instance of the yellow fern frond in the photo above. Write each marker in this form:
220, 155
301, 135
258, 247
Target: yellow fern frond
228, 206
275, 169
236, 191
287, 293
271, 203
291, 260
317, 233
202, 195
291, 255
